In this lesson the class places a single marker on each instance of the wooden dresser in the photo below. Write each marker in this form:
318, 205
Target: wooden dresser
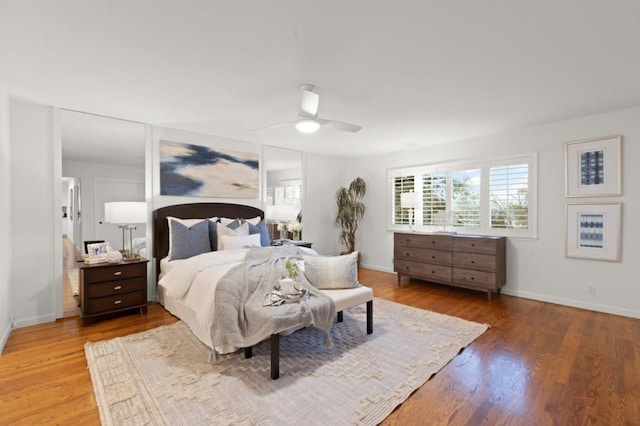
470, 261
112, 287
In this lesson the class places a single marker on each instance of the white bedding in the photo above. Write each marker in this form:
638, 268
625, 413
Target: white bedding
187, 288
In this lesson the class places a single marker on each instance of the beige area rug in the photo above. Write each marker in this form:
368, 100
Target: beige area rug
74, 279
163, 376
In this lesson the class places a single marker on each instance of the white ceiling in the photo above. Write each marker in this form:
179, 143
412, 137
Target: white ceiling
412, 73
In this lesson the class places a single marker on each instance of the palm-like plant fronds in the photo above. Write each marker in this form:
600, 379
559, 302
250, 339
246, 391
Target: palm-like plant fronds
350, 211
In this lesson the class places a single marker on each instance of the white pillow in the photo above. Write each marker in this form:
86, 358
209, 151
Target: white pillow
325, 272
225, 230
244, 241
186, 222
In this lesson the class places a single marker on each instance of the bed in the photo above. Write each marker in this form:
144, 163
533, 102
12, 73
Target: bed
192, 303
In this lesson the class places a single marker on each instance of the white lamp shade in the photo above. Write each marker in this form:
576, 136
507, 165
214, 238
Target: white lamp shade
125, 212
409, 200
281, 212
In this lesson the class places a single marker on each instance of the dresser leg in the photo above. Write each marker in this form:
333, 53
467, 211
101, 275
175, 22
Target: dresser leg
143, 310
399, 279
489, 294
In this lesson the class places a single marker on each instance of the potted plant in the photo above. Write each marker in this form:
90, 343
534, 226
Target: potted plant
350, 212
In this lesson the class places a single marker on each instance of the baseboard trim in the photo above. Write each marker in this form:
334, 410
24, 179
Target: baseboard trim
376, 268
573, 303
34, 321
5, 337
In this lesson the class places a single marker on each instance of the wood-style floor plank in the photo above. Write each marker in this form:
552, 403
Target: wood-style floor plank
539, 363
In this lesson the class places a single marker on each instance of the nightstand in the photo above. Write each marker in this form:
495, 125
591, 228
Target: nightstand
106, 288
291, 242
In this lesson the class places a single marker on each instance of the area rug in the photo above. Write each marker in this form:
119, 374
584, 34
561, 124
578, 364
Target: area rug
74, 278
163, 376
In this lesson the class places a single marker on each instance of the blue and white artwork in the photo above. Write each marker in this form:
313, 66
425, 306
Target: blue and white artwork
591, 230
592, 167
189, 170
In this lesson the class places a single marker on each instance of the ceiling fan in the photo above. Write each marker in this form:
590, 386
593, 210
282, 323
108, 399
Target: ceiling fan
308, 121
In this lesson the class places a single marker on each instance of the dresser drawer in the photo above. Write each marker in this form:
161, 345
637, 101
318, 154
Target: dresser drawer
476, 244
114, 272
435, 242
437, 257
478, 262
478, 279
426, 272
111, 288
112, 303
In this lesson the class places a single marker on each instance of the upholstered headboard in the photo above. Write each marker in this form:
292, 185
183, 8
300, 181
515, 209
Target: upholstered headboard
192, 211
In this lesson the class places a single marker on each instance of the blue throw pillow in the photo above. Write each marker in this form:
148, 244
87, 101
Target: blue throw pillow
189, 241
261, 228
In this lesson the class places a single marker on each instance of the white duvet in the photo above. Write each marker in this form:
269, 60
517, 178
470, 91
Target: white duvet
194, 280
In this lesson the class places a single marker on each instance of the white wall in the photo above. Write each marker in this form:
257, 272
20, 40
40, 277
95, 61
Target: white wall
34, 277
537, 268
323, 175
5, 220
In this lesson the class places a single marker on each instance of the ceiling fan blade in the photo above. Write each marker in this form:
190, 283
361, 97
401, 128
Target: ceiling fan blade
339, 125
273, 126
309, 100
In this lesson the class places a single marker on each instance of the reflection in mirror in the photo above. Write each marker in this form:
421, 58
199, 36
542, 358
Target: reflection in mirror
284, 192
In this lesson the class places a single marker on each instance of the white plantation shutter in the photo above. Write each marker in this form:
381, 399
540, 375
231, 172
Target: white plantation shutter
509, 192
494, 196
434, 196
401, 184
465, 198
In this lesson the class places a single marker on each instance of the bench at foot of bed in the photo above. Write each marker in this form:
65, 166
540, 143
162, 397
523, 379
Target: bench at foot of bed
344, 299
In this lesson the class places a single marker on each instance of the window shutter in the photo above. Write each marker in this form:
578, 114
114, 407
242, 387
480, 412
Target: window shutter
465, 198
401, 184
434, 196
509, 192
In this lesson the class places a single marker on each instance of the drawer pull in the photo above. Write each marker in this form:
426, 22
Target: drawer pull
406, 267
433, 272
433, 257
118, 287
117, 302
408, 254
473, 245
473, 278
433, 242
473, 261
117, 273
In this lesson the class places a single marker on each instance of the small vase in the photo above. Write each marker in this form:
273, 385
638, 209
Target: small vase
296, 235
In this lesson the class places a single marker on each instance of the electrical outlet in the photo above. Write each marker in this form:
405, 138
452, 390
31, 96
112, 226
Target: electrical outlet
592, 289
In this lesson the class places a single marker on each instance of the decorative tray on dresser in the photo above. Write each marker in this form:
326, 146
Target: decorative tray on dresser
112, 287
470, 261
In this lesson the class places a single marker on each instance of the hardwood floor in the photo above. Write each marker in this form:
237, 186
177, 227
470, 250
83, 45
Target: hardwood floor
538, 364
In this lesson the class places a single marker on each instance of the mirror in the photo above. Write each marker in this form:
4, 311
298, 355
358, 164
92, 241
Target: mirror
103, 158
284, 184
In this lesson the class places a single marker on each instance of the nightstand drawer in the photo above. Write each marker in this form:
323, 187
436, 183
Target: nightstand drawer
112, 288
115, 272
112, 303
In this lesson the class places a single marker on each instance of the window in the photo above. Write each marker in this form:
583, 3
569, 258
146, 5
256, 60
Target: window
494, 196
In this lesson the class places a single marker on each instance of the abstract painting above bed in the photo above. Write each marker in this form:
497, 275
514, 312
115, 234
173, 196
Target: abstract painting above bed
201, 171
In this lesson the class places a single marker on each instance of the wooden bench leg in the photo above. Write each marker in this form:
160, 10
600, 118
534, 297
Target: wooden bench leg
248, 352
275, 356
370, 317
340, 317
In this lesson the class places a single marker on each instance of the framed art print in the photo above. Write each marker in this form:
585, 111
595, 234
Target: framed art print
593, 231
593, 167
